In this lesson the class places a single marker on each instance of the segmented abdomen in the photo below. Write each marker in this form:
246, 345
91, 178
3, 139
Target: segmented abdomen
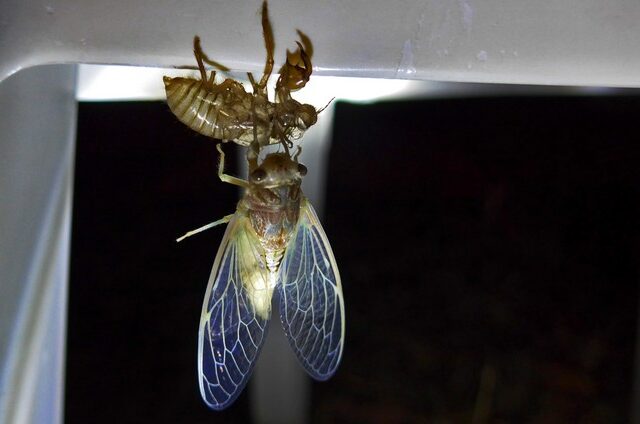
218, 113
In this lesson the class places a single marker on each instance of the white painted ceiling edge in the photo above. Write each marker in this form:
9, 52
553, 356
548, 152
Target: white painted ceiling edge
549, 42
129, 83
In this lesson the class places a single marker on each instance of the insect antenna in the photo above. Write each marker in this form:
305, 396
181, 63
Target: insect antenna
326, 106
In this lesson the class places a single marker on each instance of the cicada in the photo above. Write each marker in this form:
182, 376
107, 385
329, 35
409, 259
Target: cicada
226, 111
273, 244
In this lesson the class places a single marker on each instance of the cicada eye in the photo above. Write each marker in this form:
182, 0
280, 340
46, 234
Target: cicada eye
258, 175
302, 169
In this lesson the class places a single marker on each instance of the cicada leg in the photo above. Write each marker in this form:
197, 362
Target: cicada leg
306, 44
197, 52
297, 69
201, 59
297, 153
254, 147
269, 44
253, 83
225, 177
225, 219
201, 56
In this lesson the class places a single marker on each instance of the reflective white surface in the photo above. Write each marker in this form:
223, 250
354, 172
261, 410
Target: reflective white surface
37, 134
559, 42
127, 83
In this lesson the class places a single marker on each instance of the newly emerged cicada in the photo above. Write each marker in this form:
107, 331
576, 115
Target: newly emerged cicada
226, 111
274, 243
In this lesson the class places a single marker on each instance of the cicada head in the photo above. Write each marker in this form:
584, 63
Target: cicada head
275, 183
277, 170
293, 119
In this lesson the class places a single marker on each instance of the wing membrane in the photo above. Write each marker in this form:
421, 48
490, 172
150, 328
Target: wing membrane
311, 301
231, 331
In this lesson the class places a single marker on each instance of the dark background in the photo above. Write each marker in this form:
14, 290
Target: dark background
488, 250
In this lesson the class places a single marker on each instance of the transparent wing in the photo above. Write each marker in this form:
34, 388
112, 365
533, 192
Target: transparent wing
232, 329
311, 302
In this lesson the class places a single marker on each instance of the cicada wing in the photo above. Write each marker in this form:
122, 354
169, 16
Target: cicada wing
232, 328
311, 301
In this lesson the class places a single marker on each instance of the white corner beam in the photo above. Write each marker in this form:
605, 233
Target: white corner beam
37, 135
551, 42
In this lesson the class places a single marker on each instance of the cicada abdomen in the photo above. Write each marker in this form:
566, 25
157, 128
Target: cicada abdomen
217, 111
221, 111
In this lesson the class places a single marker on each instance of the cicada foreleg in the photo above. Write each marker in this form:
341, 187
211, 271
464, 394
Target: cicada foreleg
297, 69
225, 177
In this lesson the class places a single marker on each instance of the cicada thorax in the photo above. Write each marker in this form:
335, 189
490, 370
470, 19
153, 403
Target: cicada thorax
260, 128
272, 203
274, 226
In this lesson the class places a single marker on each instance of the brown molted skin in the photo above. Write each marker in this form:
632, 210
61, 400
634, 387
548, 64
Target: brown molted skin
226, 111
